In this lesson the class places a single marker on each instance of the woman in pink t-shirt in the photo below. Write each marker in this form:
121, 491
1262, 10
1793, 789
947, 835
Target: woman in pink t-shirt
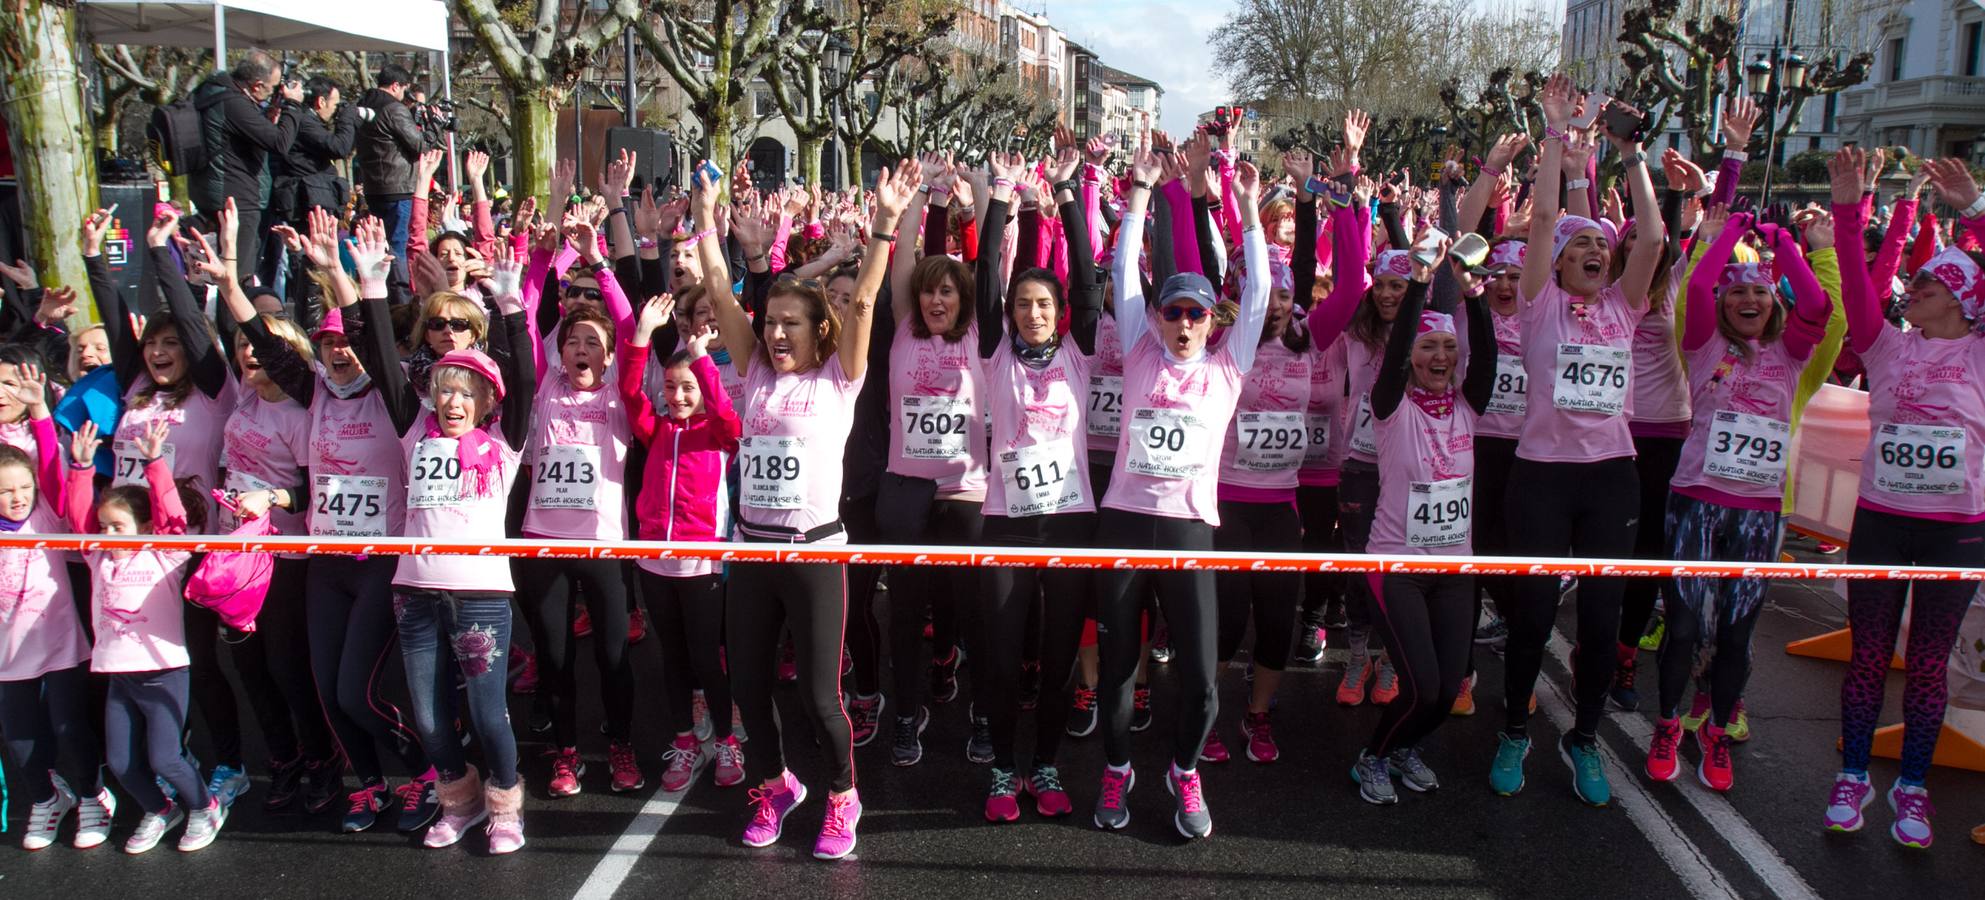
1179, 396
1573, 490
1745, 356
803, 368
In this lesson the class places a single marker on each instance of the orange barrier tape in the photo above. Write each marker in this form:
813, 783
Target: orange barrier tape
1072, 558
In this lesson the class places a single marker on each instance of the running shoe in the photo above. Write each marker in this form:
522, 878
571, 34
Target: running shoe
566, 768
1698, 712
1912, 815
1003, 800
1161, 643
1213, 751
1386, 687
1082, 712
1826, 549
364, 805
837, 831
1588, 771
1351, 691
152, 828
1623, 693
1050, 800
625, 769
1192, 820
1714, 771
1740, 724
1140, 709
45, 818
1374, 780
1311, 649
1506, 772
93, 815
469, 808
202, 826
322, 780
524, 678
789, 667
729, 766
285, 782
1464, 701
1494, 631
944, 676
582, 621
1651, 641
1851, 793
1664, 752
228, 783
1030, 683
637, 626
419, 804
1111, 812
681, 758
1406, 763
769, 809
1261, 738
699, 716
908, 749
864, 715
979, 748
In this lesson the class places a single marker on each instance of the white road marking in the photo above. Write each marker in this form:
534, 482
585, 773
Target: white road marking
619, 860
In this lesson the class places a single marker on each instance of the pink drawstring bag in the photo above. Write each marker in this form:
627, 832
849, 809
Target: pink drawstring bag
234, 585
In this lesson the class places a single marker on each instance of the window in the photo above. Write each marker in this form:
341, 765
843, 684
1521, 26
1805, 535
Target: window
1895, 59
1974, 36
762, 104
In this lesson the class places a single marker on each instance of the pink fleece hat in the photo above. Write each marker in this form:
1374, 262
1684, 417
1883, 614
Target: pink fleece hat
1432, 322
1396, 263
475, 361
1744, 273
332, 323
1959, 272
1506, 255
1569, 227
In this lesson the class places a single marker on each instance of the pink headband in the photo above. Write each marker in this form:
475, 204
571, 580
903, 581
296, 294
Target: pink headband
1395, 263
1507, 255
1570, 227
1744, 273
1432, 322
1959, 272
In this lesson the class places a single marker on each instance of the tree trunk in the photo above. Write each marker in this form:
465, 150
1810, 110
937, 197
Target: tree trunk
533, 139
809, 158
852, 153
48, 130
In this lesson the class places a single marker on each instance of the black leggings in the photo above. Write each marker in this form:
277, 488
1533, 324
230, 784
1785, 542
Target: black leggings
1187, 597
273, 663
1428, 626
1655, 459
1271, 597
688, 614
812, 597
1318, 508
1583, 510
1010, 597
143, 718
864, 637
46, 722
353, 651
1357, 500
1493, 458
910, 513
547, 589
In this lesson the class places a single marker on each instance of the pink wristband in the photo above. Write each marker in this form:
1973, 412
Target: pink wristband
699, 236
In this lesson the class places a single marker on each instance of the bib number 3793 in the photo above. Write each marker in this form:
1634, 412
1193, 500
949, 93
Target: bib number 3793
1920, 459
1592, 379
1166, 443
1747, 448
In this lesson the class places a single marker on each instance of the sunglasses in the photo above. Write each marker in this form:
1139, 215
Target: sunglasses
456, 325
1189, 313
572, 293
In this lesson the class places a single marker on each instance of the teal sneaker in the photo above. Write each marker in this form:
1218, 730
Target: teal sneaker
1588, 771
1506, 773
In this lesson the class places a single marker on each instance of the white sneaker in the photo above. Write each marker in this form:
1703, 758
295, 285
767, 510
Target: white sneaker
152, 829
202, 826
93, 817
45, 818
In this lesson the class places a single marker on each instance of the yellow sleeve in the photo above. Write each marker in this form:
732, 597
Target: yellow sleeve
1826, 267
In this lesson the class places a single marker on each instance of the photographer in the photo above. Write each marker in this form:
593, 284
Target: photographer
240, 136
307, 175
389, 143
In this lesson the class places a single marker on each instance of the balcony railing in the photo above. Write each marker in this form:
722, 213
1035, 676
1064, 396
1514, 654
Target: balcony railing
1940, 92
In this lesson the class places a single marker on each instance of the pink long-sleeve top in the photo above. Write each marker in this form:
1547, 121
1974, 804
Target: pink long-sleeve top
682, 488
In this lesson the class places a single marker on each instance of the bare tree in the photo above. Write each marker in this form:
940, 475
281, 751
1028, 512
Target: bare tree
837, 50
135, 77
714, 49
48, 131
1326, 55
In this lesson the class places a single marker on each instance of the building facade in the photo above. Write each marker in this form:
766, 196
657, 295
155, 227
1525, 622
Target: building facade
1927, 90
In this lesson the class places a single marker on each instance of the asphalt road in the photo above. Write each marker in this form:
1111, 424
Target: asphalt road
1293, 828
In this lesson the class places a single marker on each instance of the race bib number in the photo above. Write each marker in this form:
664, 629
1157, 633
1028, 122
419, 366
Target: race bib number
1747, 448
1919, 459
769, 470
1316, 447
1105, 405
1270, 441
1040, 479
1363, 439
435, 478
566, 477
1167, 443
934, 427
1437, 512
348, 506
1592, 379
131, 464
1512, 396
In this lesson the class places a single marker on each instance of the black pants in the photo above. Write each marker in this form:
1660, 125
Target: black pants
547, 591
1318, 508
353, 654
46, 722
143, 719
688, 615
1010, 596
764, 599
864, 637
910, 513
1357, 500
1428, 626
273, 663
1187, 597
1586, 510
1493, 458
1271, 598
1655, 458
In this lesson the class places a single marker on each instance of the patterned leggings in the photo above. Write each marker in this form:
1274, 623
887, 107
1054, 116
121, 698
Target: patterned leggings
1710, 620
1874, 613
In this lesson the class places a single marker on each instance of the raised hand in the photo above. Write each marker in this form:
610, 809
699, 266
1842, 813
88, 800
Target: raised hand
564, 174
655, 313
57, 305
84, 444
619, 174
699, 343
1067, 161
1357, 124
1504, 151
1299, 165
95, 226
1738, 121
424, 169
21, 273
321, 248
1817, 226
292, 241
1579, 148
1555, 98
1247, 184
893, 192
1683, 175
474, 165
1955, 186
1145, 166
151, 444
506, 272
164, 225
32, 391
1714, 220
371, 256
1846, 170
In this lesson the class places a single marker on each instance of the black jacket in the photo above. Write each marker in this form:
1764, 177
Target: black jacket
307, 175
388, 146
240, 138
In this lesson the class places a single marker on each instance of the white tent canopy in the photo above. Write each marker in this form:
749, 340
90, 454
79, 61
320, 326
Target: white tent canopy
371, 25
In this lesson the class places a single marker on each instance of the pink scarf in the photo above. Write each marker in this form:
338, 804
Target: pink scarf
480, 456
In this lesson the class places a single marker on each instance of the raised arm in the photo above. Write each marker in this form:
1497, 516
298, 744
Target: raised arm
204, 361
893, 194
1723, 230
371, 257
1130, 311
1350, 257
111, 308
732, 322
1390, 388
1810, 304
1645, 258
988, 286
1555, 98
1084, 288
1857, 295
1245, 336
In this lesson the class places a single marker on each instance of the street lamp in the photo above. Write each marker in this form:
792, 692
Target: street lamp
839, 61
1778, 81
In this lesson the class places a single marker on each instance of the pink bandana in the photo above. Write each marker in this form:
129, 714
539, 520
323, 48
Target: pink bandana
1744, 273
1432, 322
1959, 272
1569, 227
1395, 263
1506, 255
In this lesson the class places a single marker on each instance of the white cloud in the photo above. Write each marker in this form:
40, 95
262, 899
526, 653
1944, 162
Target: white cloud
1165, 42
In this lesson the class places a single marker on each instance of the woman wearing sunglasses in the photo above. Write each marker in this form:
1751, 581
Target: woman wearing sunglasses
1179, 396
447, 322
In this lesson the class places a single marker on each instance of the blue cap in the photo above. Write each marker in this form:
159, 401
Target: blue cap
1187, 286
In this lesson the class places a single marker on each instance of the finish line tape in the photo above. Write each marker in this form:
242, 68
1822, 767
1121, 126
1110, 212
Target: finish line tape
1019, 557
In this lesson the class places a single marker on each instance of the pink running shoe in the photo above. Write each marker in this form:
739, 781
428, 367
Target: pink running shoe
1049, 798
1851, 794
1261, 738
682, 757
566, 767
1003, 800
837, 831
769, 809
1912, 816
1213, 750
730, 762
626, 771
